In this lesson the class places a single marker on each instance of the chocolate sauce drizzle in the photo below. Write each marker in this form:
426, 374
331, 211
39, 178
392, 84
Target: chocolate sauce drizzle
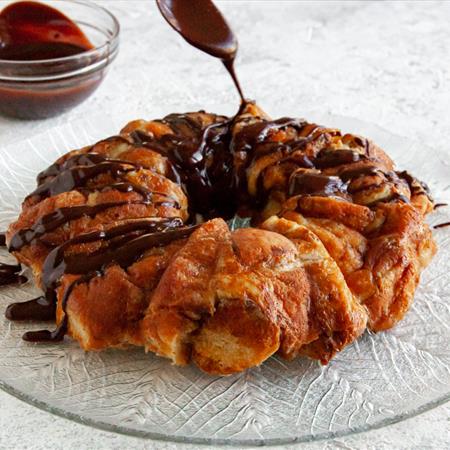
416, 186
331, 158
56, 168
36, 309
134, 239
78, 176
317, 184
55, 219
200, 162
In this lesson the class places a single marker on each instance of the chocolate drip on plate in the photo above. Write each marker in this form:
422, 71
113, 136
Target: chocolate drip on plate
10, 274
37, 309
442, 225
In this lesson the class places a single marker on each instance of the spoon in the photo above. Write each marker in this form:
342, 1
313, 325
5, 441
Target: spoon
203, 26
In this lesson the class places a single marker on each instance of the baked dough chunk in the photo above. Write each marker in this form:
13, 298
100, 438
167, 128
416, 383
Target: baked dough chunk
382, 261
107, 311
229, 300
61, 211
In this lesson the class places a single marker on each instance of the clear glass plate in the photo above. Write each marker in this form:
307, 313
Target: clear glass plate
379, 380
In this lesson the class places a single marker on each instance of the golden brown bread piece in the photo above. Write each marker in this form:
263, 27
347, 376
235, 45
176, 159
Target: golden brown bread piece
229, 300
381, 262
339, 239
167, 200
217, 300
336, 316
106, 312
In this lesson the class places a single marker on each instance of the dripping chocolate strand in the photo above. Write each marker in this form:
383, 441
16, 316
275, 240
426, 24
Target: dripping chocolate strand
58, 334
229, 65
440, 205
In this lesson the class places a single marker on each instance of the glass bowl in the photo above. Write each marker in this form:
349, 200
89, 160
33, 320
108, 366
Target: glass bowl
45, 88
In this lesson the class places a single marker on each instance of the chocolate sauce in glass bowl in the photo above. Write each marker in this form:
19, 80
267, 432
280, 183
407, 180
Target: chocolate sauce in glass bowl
47, 63
32, 31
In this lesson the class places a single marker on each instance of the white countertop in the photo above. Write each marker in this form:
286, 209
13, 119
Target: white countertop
383, 62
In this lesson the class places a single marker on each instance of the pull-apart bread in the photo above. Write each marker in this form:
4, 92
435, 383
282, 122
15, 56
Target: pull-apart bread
129, 241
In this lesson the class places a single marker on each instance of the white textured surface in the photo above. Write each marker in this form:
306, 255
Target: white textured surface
385, 63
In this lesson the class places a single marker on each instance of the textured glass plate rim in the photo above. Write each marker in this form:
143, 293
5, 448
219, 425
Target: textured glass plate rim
206, 441
326, 119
